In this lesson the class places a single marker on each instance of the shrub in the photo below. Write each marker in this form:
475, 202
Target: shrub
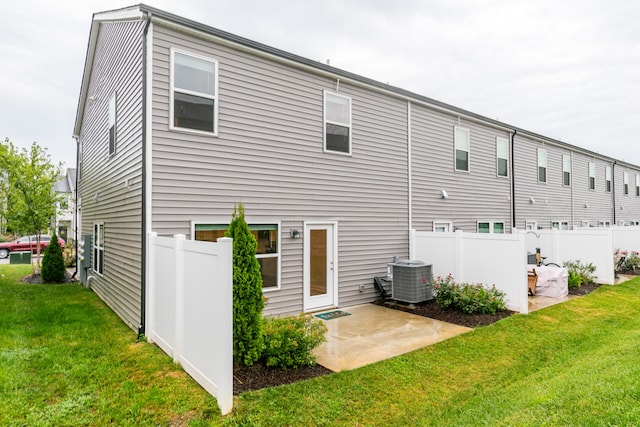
53, 270
579, 274
633, 262
69, 254
289, 341
248, 301
467, 297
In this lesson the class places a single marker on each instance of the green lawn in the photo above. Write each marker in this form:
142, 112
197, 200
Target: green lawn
66, 359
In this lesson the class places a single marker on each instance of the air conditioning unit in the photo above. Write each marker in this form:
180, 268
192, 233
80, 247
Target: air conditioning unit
412, 281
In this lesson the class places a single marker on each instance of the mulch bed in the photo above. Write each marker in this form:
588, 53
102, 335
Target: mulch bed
259, 376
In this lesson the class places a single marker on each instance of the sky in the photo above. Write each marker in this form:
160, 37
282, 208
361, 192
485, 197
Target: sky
568, 70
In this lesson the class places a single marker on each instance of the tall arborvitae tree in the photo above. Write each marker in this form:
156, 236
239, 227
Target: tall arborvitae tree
53, 270
248, 302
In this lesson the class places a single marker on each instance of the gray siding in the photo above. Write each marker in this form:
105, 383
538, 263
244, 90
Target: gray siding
268, 155
117, 67
433, 170
590, 205
627, 206
552, 199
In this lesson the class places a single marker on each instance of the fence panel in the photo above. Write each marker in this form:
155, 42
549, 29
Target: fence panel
478, 258
587, 245
626, 238
189, 309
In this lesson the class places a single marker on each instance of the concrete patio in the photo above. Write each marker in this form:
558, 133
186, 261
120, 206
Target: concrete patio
372, 333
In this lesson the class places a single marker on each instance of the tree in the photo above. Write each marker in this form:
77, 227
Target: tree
248, 302
30, 199
53, 270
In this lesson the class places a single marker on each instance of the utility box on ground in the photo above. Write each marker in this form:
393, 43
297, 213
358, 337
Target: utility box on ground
20, 258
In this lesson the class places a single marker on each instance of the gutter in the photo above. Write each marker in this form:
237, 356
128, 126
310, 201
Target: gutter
143, 276
75, 203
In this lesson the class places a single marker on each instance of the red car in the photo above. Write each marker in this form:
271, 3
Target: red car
26, 243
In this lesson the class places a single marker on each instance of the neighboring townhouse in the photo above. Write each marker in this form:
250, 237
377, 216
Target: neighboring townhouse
178, 121
64, 222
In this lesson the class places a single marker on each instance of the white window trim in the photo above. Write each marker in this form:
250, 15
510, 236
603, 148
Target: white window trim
325, 121
566, 170
539, 165
248, 220
491, 226
625, 183
560, 223
447, 224
590, 166
113, 121
585, 224
95, 247
500, 139
531, 225
455, 148
607, 179
604, 223
215, 97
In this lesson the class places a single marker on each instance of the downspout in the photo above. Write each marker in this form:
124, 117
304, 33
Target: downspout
409, 177
513, 180
75, 204
143, 276
613, 189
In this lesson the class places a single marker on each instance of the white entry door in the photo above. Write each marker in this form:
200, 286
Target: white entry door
320, 266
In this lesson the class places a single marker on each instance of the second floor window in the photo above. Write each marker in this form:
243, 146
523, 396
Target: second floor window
592, 176
607, 179
625, 182
566, 170
112, 124
337, 123
461, 142
194, 84
502, 154
542, 165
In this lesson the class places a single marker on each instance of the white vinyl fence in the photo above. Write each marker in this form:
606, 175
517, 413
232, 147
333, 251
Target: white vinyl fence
491, 259
626, 238
587, 245
189, 309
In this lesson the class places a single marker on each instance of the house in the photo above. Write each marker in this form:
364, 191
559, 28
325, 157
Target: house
178, 121
64, 223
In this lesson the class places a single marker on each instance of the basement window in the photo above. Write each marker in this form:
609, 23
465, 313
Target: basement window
491, 227
267, 251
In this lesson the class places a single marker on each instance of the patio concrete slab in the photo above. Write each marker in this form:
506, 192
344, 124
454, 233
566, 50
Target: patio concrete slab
539, 302
372, 333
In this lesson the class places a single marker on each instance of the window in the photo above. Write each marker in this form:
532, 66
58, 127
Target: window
490, 227
442, 226
542, 165
337, 123
584, 224
267, 251
566, 170
625, 182
194, 83
502, 154
559, 225
112, 124
607, 179
637, 185
592, 176
605, 223
530, 225
63, 204
461, 141
98, 247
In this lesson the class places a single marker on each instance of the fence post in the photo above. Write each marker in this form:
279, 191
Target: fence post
459, 256
150, 307
225, 390
179, 278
